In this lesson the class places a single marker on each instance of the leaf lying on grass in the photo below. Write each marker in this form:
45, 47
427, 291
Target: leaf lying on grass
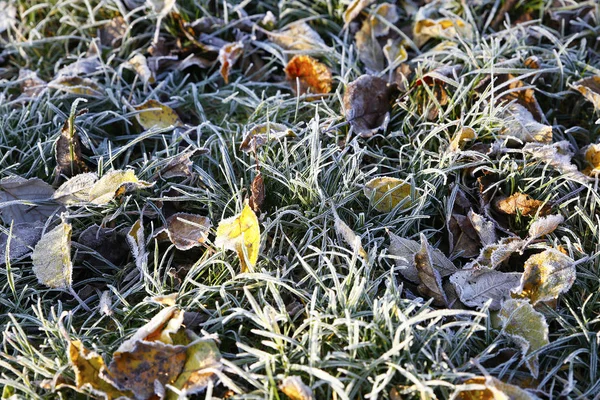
26, 200
307, 75
544, 226
367, 105
461, 138
354, 9
187, 230
348, 235
369, 50
228, 56
427, 26
22, 237
592, 157
523, 204
299, 37
154, 114
260, 134
493, 389
520, 124
113, 184
139, 64
51, 258
430, 279
385, 193
76, 85
590, 89
241, 233
76, 190
477, 286
295, 389
527, 328
112, 32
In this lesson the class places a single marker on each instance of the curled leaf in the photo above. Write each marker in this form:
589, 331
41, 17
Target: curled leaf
262, 133
140, 65
154, 114
76, 85
51, 258
258, 192
69, 160
430, 279
463, 136
544, 226
76, 190
386, 193
520, 124
187, 230
307, 75
477, 286
590, 89
395, 52
113, 184
241, 233
523, 204
299, 37
228, 56
295, 389
383, 16
354, 9
367, 105
349, 236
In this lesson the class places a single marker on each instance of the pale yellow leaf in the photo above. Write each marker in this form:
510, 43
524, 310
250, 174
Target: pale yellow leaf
115, 183
295, 389
154, 114
386, 193
51, 258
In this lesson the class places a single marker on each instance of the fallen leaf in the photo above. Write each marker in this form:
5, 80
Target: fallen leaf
76, 190
83, 66
154, 114
228, 56
111, 244
26, 200
461, 138
545, 225
165, 299
386, 193
349, 236
262, 133
527, 328
485, 228
295, 389
307, 75
367, 104
51, 258
354, 9
112, 33
520, 124
395, 52
523, 204
258, 192
368, 48
298, 37
31, 85
464, 239
446, 28
105, 303
383, 16
76, 85
113, 184
187, 230
558, 155
494, 389
430, 279
592, 157
22, 238
89, 368
166, 322
137, 242
590, 89
404, 251
139, 64
547, 275
516, 91
493, 255
69, 160
241, 233
477, 286
8, 14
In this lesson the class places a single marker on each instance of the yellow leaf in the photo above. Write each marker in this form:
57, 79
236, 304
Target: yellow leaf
76, 85
386, 193
51, 258
228, 55
354, 9
89, 368
140, 65
590, 89
295, 389
154, 114
241, 233
493, 389
115, 183
466, 134
159, 328
520, 203
307, 75
446, 28
592, 156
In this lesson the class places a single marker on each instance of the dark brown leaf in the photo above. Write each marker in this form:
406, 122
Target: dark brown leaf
258, 192
367, 105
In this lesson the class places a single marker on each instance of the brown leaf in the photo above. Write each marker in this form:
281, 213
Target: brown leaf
369, 50
258, 192
76, 85
298, 36
493, 389
431, 280
518, 92
590, 89
523, 204
262, 133
228, 56
367, 105
307, 75
31, 85
187, 230
69, 160
113, 32
465, 240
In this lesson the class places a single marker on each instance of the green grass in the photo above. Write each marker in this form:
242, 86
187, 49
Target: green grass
351, 328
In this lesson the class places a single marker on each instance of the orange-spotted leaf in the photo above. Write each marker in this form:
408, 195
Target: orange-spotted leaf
241, 233
307, 75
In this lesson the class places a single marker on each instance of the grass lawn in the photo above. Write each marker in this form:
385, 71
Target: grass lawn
201, 199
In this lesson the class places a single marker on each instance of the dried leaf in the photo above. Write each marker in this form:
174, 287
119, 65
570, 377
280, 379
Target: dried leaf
23, 237
544, 226
445, 28
386, 193
590, 89
520, 124
241, 233
546, 276
258, 192
307, 75
89, 368
527, 328
25, 200
8, 14
187, 230
31, 85
298, 37
465, 135
159, 328
140, 65
76, 85
477, 286
154, 114
394, 52
83, 66
76, 190
69, 160
51, 258
262, 133
113, 32
525, 96
295, 389
368, 48
228, 56
558, 155
592, 157
349, 236
430, 279
384, 15
523, 204
367, 105
493, 255
485, 228
137, 243
465, 241
404, 251
494, 389
113, 184
354, 9
109, 243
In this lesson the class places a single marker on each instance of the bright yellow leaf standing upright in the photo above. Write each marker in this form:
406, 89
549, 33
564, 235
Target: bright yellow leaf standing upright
239, 233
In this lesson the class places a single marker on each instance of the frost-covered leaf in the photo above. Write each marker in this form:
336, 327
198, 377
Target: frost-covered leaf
113, 32
547, 275
558, 155
367, 105
464, 135
307, 75
51, 258
69, 160
23, 237
520, 124
395, 52
590, 89
404, 251
262, 133
493, 255
592, 157
109, 243
26, 200
521, 203
241, 233
299, 37
295, 389
428, 26
381, 17
187, 230
76, 85
544, 226
385, 193
8, 14
369, 50
228, 56
257, 190
137, 243
139, 64
349, 236
493, 389
354, 9
113, 184
83, 66
527, 328
430, 280
31, 85
477, 286
76, 190
485, 228
154, 114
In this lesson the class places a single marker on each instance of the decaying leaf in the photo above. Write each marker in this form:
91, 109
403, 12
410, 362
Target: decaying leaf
154, 114
493, 389
69, 160
477, 286
348, 235
76, 85
547, 275
463, 136
485, 228
493, 255
381, 18
111, 244
426, 27
544, 226
26, 200
367, 105
89, 368
295, 389
76, 190
464, 240
228, 56
590, 89
523, 204
137, 243
385, 193
262, 133
139, 64
430, 279
369, 50
22, 238
354, 9
592, 157
518, 92
113, 184
404, 251
395, 52
31, 85
51, 258
298, 37
558, 155
257, 190
113, 32
527, 328
187, 230
307, 75
241, 233
520, 124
